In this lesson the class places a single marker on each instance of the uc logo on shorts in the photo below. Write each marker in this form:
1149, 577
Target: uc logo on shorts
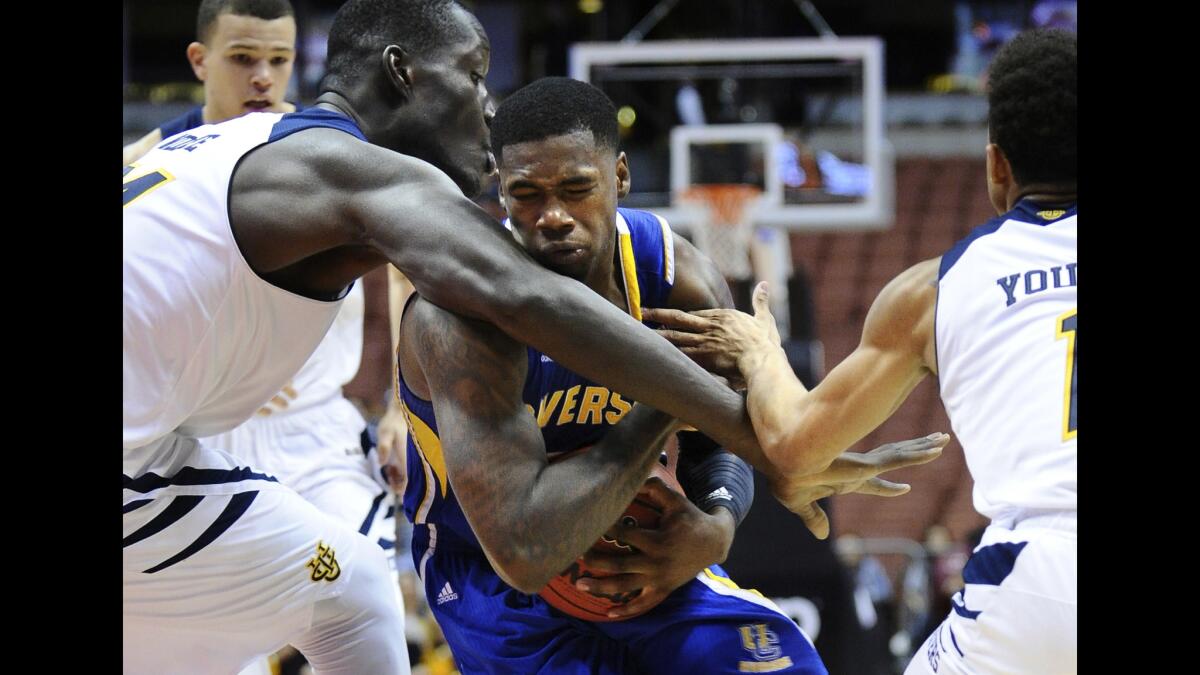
324, 564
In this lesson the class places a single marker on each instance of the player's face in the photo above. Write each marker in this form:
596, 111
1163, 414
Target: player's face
246, 65
448, 126
561, 196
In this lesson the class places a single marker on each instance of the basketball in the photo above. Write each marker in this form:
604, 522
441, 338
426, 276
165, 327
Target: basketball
561, 592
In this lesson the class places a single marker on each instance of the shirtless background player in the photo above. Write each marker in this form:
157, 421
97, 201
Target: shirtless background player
494, 520
1003, 346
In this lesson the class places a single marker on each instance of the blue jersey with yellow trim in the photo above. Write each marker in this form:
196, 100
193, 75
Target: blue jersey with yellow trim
571, 410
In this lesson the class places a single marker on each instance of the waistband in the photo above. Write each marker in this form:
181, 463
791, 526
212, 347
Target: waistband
1062, 521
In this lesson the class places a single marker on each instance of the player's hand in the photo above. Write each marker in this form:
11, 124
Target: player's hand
854, 472
393, 433
718, 339
687, 540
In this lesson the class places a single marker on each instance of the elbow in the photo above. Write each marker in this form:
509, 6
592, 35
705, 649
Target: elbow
500, 294
514, 300
520, 570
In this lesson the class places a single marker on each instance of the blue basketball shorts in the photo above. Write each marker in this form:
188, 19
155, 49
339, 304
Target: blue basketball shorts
708, 625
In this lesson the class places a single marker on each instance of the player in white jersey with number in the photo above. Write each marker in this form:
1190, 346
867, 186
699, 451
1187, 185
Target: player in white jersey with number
240, 240
995, 319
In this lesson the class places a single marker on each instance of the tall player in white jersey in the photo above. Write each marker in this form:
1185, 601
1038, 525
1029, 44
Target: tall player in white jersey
995, 320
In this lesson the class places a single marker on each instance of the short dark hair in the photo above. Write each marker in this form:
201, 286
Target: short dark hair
553, 106
1033, 106
206, 17
362, 28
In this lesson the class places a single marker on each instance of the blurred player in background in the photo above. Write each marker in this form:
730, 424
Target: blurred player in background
243, 53
494, 521
995, 319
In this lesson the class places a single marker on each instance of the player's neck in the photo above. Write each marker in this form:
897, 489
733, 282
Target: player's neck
331, 100
1043, 193
605, 279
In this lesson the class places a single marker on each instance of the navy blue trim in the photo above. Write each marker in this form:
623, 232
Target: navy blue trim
955, 641
366, 524
314, 118
132, 506
950, 257
386, 544
366, 441
193, 476
1032, 211
178, 508
989, 566
992, 564
1025, 211
958, 602
185, 122
234, 510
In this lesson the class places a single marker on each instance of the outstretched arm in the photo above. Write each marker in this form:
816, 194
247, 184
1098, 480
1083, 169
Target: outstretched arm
320, 191
699, 285
803, 432
532, 517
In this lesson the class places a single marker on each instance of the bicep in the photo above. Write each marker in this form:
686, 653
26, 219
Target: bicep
869, 385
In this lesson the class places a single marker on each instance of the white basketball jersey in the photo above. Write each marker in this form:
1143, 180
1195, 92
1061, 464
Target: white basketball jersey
1006, 345
205, 341
332, 365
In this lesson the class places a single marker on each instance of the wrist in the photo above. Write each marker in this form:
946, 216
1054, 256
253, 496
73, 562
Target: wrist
756, 357
724, 523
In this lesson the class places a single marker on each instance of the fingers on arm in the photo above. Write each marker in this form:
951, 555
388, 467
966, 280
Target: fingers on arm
814, 519
883, 488
677, 319
908, 453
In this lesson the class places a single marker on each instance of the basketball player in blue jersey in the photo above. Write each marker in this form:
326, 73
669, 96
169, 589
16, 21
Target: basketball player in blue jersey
994, 319
495, 521
243, 53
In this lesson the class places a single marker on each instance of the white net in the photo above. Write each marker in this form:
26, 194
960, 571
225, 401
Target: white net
725, 233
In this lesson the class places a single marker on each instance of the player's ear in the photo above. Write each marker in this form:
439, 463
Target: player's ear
622, 176
397, 67
998, 168
195, 56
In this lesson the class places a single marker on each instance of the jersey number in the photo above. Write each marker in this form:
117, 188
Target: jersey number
135, 185
1066, 329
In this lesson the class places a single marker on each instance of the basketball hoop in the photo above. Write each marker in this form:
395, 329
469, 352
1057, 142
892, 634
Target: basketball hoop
726, 233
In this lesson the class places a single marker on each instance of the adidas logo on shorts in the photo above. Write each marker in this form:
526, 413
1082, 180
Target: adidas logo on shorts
446, 594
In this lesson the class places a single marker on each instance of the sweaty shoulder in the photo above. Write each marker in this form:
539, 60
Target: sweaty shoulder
699, 284
902, 315
310, 190
435, 342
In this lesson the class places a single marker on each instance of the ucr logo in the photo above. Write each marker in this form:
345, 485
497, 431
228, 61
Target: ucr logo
760, 641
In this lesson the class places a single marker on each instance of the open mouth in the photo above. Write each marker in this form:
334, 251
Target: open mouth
257, 105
